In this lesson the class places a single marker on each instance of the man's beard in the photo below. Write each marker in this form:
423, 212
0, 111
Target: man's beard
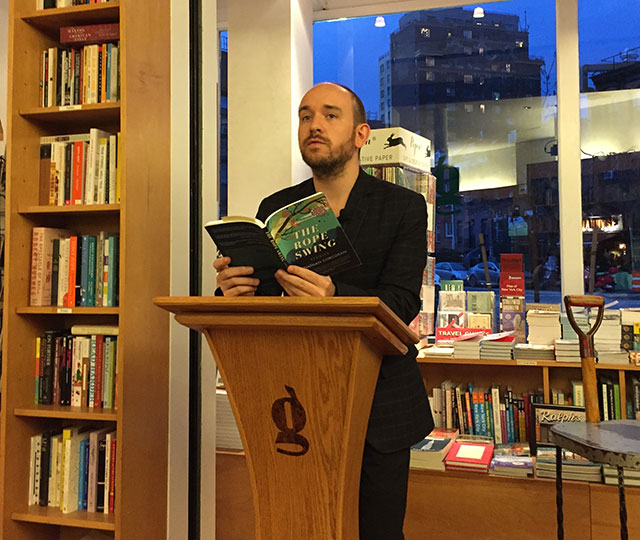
330, 165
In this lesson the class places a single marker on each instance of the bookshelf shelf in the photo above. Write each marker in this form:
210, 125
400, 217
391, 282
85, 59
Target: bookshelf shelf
523, 363
67, 413
50, 20
91, 209
97, 113
53, 310
79, 518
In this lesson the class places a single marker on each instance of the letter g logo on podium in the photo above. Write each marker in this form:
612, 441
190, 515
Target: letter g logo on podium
290, 434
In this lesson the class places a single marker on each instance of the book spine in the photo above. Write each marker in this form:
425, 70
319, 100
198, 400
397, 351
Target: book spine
45, 448
112, 476
37, 266
89, 33
99, 363
73, 261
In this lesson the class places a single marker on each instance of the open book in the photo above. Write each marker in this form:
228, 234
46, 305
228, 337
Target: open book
305, 233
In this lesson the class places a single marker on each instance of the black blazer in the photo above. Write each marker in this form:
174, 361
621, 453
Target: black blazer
387, 225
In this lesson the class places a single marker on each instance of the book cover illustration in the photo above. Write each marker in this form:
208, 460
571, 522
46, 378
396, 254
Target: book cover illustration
305, 233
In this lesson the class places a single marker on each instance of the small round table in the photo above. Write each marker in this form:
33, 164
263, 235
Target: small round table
613, 442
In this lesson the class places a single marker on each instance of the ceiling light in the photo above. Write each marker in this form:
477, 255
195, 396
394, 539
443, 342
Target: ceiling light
478, 13
380, 22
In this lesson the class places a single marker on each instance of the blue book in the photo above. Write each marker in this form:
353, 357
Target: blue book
84, 270
91, 273
107, 86
81, 468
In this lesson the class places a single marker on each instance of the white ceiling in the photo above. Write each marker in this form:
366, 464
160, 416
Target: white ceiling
334, 9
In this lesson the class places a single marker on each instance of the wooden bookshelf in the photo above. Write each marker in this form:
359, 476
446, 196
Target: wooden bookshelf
521, 375
143, 221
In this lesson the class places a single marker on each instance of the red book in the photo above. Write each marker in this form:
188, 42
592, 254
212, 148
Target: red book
90, 33
73, 261
112, 477
78, 172
472, 456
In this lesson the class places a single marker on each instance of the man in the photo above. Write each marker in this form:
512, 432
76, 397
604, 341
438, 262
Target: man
387, 226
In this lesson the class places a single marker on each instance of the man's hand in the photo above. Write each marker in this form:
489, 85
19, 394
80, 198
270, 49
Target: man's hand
298, 281
234, 281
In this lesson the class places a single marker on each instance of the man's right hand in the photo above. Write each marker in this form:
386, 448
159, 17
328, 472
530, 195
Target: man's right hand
234, 281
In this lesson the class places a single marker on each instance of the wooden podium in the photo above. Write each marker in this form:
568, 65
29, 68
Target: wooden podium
300, 374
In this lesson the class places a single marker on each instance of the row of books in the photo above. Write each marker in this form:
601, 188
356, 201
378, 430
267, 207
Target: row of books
420, 182
448, 450
69, 270
78, 76
82, 168
500, 415
77, 367
49, 4
74, 469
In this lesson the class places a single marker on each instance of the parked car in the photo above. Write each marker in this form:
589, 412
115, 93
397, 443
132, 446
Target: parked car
451, 270
477, 277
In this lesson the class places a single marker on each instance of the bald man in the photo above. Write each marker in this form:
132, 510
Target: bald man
387, 225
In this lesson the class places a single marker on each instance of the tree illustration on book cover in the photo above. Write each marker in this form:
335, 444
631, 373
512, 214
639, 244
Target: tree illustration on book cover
308, 234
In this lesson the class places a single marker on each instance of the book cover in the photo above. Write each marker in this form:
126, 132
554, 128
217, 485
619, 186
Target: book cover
469, 455
305, 233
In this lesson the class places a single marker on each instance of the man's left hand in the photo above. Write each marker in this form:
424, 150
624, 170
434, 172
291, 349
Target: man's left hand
298, 281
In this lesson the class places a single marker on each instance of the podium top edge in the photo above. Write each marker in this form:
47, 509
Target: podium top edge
340, 305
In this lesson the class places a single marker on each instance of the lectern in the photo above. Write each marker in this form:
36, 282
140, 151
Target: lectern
300, 374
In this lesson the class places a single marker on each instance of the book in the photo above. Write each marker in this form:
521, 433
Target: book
41, 264
430, 452
305, 233
472, 456
89, 33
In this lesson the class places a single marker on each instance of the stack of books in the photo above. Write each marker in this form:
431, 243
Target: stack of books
567, 330
608, 338
497, 346
544, 327
527, 351
631, 476
511, 460
436, 351
430, 452
567, 350
469, 455
574, 467
467, 346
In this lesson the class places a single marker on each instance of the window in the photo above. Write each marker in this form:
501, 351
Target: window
454, 114
519, 43
507, 68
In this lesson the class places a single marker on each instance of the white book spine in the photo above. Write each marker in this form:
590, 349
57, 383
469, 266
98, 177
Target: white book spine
497, 426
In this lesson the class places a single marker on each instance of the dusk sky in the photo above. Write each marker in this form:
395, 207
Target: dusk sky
347, 51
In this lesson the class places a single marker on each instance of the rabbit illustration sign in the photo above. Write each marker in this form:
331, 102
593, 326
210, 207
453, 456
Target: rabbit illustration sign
397, 146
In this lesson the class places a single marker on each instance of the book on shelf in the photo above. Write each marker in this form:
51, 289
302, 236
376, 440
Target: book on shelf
512, 460
469, 456
305, 233
89, 33
430, 452
574, 466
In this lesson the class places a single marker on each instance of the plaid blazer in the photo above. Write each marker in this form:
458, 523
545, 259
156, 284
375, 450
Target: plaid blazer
387, 226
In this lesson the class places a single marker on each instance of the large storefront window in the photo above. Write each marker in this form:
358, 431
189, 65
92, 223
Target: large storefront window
482, 89
610, 146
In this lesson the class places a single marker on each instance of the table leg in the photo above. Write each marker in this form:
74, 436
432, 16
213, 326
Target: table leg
560, 517
624, 535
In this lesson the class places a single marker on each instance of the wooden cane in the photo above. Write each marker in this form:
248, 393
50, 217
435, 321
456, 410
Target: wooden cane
587, 350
